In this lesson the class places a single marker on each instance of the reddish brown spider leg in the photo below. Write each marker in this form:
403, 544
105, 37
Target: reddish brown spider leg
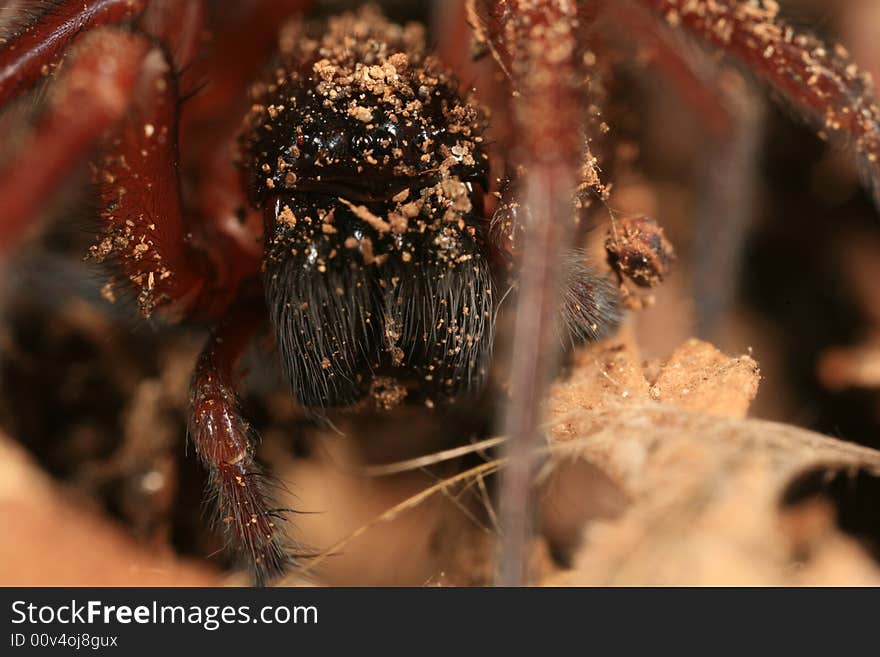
231, 240
454, 41
38, 47
90, 97
221, 217
459, 51
179, 25
546, 79
223, 440
690, 72
144, 227
242, 45
819, 81
730, 115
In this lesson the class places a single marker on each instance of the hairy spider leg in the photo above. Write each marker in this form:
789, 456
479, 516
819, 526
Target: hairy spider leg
539, 45
171, 260
144, 227
729, 115
819, 82
449, 19
90, 97
38, 47
693, 80
224, 441
223, 222
244, 37
180, 26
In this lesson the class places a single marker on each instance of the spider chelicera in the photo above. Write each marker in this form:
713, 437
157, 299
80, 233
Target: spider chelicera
350, 196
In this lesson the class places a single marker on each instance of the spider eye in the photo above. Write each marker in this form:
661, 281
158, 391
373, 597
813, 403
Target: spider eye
362, 142
337, 144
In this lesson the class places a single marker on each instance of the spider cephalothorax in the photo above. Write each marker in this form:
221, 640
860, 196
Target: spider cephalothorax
370, 170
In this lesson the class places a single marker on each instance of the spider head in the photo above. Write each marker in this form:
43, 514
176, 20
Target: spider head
369, 167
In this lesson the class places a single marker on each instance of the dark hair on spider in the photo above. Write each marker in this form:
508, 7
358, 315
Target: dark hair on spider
370, 169
591, 306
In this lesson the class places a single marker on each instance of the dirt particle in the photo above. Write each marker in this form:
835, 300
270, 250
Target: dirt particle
286, 217
363, 213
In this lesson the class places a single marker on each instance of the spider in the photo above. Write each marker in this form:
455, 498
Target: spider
348, 194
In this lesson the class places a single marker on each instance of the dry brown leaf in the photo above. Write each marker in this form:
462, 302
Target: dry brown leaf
704, 486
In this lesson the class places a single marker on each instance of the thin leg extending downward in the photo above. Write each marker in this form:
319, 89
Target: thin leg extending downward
548, 82
224, 442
